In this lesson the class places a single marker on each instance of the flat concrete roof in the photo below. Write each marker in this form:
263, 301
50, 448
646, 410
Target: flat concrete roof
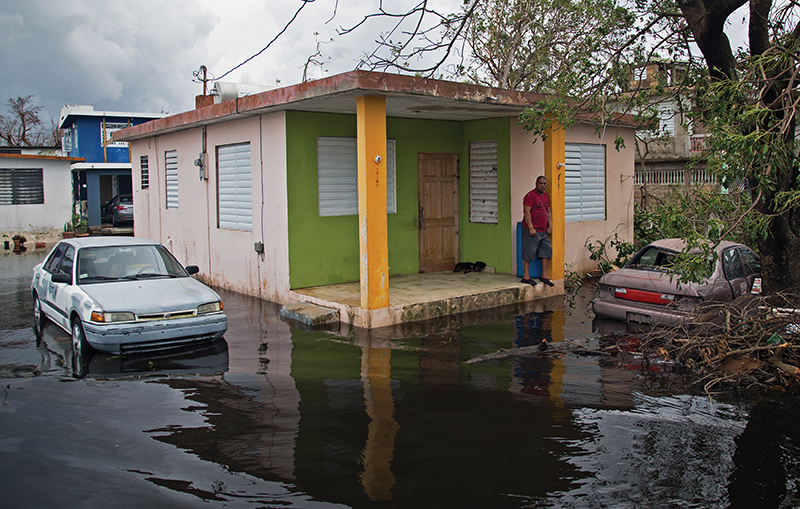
406, 97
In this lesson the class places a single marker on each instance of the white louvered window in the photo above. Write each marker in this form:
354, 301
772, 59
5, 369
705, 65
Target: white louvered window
337, 176
585, 182
234, 187
483, 182
171, 175
666, 119
144, 168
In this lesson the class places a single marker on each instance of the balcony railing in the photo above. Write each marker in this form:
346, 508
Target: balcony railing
675, 176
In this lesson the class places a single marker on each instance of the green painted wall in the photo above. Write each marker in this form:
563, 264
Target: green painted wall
324, 250
489, 243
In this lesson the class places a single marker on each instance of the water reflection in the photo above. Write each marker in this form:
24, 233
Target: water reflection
386, 418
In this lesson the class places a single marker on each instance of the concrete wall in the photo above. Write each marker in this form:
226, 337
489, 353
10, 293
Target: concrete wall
489, 243
325, 250
46, 219
527, 163
226, 258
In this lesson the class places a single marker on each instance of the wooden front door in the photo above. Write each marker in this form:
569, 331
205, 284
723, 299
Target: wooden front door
438, 211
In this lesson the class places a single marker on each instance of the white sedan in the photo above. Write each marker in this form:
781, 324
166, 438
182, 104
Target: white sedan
124, 295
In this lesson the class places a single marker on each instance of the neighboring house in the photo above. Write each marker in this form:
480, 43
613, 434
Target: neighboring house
663, 154
35, 151
262, 191
106, 170
34, 193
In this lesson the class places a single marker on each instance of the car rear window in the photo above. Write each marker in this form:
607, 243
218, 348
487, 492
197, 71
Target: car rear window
653, 258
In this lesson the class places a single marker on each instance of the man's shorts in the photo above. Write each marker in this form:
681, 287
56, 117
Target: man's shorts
536, 246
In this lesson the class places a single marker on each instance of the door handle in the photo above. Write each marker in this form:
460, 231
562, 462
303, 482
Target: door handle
421, 217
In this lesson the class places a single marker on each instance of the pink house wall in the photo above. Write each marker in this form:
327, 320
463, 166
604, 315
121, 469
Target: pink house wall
527, 163
226, 258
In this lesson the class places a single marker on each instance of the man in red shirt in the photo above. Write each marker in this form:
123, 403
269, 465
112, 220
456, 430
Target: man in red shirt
537, 223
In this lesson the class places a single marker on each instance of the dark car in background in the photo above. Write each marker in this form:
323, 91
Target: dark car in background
119, 210
646, 290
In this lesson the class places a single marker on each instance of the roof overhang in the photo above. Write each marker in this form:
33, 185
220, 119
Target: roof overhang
406, 97
49, 158
101, 166
68, 117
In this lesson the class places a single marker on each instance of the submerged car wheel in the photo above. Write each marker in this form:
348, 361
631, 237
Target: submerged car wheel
38, 318
79, 345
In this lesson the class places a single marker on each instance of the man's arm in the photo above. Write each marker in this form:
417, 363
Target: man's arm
528, 220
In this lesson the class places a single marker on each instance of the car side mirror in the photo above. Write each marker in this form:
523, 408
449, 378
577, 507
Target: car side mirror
192, 269
62, 278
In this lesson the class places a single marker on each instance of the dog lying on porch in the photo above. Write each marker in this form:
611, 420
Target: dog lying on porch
465, 267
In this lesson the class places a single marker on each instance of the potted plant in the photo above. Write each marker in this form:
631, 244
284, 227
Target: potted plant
19, 242
38, 238
6, 242
68, 233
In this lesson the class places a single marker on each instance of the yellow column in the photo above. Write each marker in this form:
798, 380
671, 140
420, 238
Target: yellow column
372, 229
554, 172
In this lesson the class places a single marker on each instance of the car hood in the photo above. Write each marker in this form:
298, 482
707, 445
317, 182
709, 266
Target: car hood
651, 280
151, 295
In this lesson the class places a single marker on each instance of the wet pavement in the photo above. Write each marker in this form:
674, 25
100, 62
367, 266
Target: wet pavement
275, 416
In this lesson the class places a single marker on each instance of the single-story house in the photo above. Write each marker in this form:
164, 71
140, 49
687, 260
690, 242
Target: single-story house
35, 197
362, 176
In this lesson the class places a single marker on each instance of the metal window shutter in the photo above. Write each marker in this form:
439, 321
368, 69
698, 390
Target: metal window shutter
144, 166
337, 176
171, 172
483, 182
6, 187
235, 188
22, 186
28, 186
584, 182
666, 118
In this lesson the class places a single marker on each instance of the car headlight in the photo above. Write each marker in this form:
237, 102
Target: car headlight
109, 317
211, 307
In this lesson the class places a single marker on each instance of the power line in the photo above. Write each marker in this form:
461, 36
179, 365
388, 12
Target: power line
286, 27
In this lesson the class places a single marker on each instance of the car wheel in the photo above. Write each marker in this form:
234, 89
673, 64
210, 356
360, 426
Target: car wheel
39, 318
80, 347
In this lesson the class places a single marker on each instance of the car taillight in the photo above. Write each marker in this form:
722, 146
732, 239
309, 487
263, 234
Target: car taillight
644, 296
120, 207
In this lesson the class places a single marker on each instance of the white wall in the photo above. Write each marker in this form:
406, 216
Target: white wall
226, 258
46, 219
527, 163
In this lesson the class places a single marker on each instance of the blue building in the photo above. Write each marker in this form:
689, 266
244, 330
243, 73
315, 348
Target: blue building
107, 169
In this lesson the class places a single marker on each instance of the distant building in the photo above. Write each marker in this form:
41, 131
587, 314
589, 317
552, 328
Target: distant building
106, 170
662, 154
34, 200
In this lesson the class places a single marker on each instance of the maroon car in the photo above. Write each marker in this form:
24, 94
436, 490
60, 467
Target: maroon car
647, 291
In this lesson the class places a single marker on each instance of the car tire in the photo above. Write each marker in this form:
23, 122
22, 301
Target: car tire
80, 347
39, 318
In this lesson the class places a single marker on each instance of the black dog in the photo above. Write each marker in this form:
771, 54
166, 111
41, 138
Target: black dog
469, 267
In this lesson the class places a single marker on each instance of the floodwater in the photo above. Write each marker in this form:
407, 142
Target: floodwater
275, 416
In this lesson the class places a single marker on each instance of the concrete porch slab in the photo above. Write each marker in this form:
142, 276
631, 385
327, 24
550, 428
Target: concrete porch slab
310, 315
416, 297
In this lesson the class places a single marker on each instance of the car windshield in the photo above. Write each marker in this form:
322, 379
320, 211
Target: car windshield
114, 263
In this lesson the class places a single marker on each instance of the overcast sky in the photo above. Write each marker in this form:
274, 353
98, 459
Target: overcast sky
139, 55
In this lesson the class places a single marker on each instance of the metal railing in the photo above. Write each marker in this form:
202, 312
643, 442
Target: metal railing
674, 176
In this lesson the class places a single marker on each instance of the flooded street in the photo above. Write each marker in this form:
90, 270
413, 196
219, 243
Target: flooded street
275, 416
